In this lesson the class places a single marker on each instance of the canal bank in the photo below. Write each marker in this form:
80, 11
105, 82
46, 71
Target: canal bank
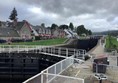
24, 64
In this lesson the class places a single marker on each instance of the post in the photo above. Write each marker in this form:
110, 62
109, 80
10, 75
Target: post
66, 52
59, 51
9, 49
27, 49
100, 80
18, 48
47, 77
55, 69
42, 78
96, 67
117, 61
74, 53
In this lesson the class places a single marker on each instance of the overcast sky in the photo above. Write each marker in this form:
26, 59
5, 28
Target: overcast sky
96, 15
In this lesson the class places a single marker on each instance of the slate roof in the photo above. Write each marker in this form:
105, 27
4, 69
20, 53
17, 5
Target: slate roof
3, 24
8, 32
19, 25
36, 27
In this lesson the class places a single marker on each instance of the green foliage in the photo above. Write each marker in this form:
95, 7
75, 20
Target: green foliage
89, 32
0, 23
63, 26
13, 15
54, 26
43, 25
71, 26
82, 30
111, 42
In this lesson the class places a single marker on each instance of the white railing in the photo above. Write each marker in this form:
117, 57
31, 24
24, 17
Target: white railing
50, 74
65, 52
78, 53
17, 48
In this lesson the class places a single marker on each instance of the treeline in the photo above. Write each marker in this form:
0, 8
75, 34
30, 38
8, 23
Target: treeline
64, 26
80, 30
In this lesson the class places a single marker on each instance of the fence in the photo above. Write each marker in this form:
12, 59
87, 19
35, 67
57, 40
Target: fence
112, 73
51, 74
65, 52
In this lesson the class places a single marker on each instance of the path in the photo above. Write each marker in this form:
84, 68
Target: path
85, 69
98, 50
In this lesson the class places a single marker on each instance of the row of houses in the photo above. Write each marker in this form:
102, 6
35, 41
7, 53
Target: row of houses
25, 30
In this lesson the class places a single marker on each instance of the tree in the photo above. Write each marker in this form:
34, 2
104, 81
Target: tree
63, 27
54, 26
13, 15
82, 30
43, 25
0, 23
90, 32
71, 26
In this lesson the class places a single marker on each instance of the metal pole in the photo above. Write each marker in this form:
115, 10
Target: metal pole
100, 80
96, 67
117, 61
66, 52
42, 78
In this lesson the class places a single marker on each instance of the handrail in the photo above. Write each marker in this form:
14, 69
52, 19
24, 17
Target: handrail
46, 49
29, 46
50, 50
43, 71
46, 71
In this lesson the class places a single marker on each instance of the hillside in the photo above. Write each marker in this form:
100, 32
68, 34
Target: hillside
112, 32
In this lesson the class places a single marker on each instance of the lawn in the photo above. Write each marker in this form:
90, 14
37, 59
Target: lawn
41, 42
111, 42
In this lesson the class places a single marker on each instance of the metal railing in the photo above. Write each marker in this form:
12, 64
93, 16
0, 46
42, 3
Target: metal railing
51, 74
63, 52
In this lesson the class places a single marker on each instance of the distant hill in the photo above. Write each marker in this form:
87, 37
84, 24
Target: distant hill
112, 32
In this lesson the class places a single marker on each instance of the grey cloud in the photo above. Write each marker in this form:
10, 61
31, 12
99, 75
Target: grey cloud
75, 7
65, 9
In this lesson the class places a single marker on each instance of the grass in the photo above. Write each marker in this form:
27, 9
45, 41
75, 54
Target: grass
41, 42
111, 42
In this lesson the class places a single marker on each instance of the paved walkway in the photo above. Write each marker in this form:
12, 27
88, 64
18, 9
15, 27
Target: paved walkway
84, 70
98, 50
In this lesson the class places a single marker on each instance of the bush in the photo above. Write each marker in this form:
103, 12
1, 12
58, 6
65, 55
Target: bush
37, 38
2, 41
